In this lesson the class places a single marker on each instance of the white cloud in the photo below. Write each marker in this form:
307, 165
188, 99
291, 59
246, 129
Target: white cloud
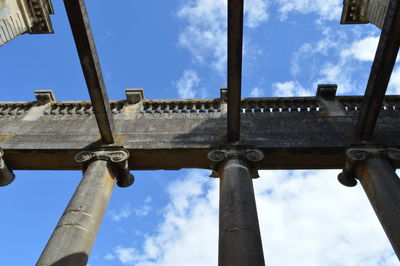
334, 59
125, 255
127, 210
186, 85
362, 50
109, 256
330, 42
256, 92
349, 63
145, 208
394, 84
326, 9
255, 12
205, 33
289, 89
188, 234
322, 62
306, 218
339, 72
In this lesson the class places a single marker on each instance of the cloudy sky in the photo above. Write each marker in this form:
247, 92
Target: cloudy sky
177, 49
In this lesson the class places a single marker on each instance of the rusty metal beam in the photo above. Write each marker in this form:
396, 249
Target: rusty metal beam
79, 21
235, 43
381, 71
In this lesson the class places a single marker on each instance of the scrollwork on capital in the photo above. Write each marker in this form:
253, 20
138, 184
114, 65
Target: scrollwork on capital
358, 155
118, 157
112, 156
254, 155
217, 155
393, 154
6, 175
353, 156
251, 156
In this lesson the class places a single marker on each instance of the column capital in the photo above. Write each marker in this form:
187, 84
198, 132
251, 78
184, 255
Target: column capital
357, 155
6, 176
220, 155
248, 155
119, 158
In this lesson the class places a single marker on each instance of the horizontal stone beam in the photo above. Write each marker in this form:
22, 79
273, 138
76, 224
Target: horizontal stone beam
293, 133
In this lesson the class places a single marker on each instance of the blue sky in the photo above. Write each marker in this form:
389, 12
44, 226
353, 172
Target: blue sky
177, 49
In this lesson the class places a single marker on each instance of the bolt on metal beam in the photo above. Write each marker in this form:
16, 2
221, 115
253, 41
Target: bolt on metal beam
80, 26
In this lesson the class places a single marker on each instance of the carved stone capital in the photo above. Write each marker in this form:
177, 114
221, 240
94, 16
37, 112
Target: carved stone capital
6, 176
118, 157
357, 155
250, 156
221, 155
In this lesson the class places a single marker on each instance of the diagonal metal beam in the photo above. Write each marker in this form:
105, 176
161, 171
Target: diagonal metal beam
79, 21
235, 43
381, 71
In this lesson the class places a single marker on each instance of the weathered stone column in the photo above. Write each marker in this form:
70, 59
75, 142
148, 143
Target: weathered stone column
6, 175
373, 167
73, 238
239, 232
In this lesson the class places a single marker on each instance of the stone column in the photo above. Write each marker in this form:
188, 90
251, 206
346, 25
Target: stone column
74, 235
6, 175
239, 232
373, 168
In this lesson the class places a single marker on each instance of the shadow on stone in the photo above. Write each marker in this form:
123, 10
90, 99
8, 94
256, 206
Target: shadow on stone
77, 259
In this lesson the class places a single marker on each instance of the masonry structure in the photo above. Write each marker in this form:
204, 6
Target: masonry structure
24, 16
365, 11
232, 136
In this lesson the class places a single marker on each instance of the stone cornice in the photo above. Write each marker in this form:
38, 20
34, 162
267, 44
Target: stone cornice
195, 106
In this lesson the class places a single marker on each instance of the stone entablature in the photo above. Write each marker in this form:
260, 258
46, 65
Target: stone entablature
364, 11
24, 16
45, 134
